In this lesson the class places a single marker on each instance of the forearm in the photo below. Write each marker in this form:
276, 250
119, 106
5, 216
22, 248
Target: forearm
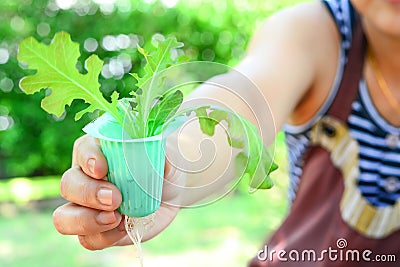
207, 163
278, 70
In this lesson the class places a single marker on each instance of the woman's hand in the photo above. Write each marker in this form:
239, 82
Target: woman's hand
91, 211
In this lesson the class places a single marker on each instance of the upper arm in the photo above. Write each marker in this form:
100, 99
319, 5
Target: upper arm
284, 61
285, 58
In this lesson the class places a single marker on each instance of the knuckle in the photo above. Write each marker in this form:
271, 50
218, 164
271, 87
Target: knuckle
102, 242
77, 144
86, 223
85, 228
57, 221
83, 240
64, 184
93, 242
80, 146
88, 190
83, 142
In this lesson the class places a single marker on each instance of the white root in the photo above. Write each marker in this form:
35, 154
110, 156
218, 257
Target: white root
136, 227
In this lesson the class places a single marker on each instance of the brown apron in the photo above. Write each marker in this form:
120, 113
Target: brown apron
329, 212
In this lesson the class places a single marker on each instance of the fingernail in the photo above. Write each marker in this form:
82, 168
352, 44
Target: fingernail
91, 163
105, 196
106, 217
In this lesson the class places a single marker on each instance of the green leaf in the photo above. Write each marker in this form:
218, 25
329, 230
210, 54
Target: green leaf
89, 109
55, 65
259, 163
218, 115
207, 125
235, 129
254, 162
157, 60
151, 84
163, 110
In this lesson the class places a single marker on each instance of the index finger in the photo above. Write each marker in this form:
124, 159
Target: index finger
87, 154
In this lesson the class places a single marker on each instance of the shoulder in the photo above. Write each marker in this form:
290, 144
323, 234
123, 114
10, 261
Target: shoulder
301, 45
308, 22
311, 27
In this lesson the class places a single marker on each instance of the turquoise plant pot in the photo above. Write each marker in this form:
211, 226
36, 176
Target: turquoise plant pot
135, 166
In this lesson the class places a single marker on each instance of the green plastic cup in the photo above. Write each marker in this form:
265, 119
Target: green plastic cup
135, 166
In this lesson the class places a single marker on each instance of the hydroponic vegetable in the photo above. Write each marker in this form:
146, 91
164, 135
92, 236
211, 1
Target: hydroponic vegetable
144, 116
56, 70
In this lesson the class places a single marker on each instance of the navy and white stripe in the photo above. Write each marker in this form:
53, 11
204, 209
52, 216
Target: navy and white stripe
379, 164
342, 11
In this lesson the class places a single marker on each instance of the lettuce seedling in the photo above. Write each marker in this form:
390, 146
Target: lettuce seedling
147, 112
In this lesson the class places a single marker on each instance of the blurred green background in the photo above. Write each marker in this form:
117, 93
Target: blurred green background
35, 148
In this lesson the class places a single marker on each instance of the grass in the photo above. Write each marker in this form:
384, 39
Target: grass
226, 233
23, 189
237, 223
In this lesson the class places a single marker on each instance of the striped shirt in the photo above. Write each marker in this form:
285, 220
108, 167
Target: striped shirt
379, 155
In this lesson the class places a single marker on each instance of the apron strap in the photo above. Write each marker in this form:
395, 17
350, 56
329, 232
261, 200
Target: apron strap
353, 71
